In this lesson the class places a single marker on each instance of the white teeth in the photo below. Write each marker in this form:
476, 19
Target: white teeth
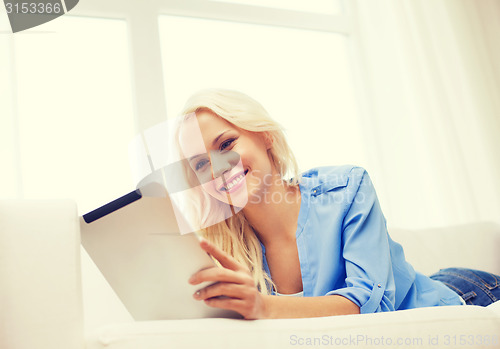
234, 182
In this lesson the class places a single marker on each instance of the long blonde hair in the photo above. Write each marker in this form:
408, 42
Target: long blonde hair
235, 235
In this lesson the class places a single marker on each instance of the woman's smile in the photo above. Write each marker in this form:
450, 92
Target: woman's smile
234, 183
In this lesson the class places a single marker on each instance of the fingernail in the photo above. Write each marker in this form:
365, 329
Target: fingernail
191, 279
197, 294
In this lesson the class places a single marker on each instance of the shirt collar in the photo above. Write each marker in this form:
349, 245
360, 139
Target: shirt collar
322, 179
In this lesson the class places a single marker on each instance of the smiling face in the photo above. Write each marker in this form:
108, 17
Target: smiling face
231, 163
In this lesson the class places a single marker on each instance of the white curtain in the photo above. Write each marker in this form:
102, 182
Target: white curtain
430, 77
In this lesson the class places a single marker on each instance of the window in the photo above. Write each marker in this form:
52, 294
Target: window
9, 184
73, 118
71, 107
302, 77
330, 7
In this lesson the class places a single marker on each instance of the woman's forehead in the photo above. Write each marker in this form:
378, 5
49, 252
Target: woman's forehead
211, 125
198, 133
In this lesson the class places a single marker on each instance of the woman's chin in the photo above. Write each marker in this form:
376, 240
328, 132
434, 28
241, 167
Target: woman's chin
238, 198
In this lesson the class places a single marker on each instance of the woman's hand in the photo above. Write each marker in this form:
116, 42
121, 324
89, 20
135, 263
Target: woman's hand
234, 287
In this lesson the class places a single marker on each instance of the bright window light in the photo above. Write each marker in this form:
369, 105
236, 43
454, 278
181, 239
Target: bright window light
303, 78
9, 184
328, 7
75, 114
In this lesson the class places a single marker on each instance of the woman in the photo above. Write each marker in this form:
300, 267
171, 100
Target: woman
320, 235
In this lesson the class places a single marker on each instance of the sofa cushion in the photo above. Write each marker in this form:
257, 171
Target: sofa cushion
453, 326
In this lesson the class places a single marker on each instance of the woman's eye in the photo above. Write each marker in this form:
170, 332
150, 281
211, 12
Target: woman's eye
226, 144
200, 164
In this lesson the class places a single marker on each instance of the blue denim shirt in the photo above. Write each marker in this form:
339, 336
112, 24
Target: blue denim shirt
344, 247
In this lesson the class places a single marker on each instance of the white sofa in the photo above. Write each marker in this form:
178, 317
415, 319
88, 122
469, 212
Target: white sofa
53, 296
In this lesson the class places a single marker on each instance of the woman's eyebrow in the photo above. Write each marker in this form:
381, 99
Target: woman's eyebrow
218, 137
196, 156
213, 144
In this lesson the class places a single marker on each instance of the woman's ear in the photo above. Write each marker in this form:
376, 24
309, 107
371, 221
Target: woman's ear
268, 140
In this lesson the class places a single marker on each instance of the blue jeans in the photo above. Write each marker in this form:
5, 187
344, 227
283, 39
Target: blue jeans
474, 286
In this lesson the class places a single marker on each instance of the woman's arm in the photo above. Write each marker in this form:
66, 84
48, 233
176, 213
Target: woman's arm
236, 290
298, 307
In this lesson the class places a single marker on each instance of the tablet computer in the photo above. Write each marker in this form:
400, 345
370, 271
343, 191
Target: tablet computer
135, 242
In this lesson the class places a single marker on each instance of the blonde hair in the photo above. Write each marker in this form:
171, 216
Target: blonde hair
235, 235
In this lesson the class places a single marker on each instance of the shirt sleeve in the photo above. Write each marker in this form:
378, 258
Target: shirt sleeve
366, 251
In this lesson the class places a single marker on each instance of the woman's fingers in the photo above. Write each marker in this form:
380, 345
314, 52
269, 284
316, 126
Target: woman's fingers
240, 298
236, 305
222, 289
225, 260
220, 275
234, 287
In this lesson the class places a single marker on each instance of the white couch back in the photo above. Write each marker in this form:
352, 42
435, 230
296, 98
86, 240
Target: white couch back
475, 245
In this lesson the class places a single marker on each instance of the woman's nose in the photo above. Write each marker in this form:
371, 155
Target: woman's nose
223, 162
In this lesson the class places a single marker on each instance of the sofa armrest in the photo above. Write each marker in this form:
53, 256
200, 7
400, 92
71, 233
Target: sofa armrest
40, 293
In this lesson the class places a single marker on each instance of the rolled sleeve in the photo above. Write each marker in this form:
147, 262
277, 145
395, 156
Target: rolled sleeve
369, 278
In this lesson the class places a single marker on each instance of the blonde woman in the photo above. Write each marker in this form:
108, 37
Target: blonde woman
295, 245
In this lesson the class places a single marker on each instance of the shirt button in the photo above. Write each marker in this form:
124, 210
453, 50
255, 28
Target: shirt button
379, 285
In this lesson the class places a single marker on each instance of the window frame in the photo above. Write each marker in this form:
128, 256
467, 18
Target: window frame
150, 103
